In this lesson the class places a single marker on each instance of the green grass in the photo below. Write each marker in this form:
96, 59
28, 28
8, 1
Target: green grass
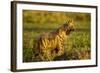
77, 46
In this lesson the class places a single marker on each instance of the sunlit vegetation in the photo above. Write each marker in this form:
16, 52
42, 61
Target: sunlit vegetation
77, 45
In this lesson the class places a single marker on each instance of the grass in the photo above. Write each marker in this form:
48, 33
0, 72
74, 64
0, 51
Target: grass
77, 46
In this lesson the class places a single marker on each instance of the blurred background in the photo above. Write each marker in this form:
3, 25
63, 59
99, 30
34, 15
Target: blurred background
78, 44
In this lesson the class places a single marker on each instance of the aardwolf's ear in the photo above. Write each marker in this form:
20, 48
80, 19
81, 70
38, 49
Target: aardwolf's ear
69, 21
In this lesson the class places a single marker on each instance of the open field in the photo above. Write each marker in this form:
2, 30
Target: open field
78, 44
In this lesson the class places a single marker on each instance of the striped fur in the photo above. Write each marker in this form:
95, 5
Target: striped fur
50, 45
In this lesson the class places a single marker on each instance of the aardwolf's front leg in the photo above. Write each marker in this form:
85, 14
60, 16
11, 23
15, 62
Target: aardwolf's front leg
60, 49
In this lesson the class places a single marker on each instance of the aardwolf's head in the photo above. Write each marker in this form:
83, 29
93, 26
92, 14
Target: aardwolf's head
69, 26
